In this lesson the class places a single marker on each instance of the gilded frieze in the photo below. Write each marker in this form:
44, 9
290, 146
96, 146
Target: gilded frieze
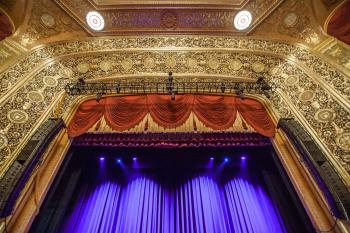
213, 18
332, 78
317, 106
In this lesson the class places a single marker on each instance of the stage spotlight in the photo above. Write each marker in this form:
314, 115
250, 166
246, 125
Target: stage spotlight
117, 87
260, 80
98, 96
102, 158
223, 87
134, 158
211, 158
119, 160
173, 95
239, 89
243, 158
81, 81
226, 160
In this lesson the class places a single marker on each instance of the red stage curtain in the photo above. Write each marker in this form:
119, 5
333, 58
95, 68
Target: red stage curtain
339, 24
122, 113
216, 112
170, 113
86, 116
254, 114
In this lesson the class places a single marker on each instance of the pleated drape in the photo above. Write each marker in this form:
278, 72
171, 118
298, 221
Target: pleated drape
170, 113
199, 205
86, 116
216, 112
125, 112
255, 115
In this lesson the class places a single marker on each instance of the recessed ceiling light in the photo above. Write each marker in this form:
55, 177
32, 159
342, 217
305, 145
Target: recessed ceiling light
95, 20
242, 20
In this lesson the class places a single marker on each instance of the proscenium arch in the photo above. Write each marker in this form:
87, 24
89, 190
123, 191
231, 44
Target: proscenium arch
37, 187
48, 59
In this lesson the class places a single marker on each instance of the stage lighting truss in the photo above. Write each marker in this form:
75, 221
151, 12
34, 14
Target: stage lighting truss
169, 86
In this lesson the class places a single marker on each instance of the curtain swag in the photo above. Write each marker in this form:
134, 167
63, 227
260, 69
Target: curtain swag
216, 112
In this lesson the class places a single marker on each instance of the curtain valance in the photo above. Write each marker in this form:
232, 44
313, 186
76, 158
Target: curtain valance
124, 112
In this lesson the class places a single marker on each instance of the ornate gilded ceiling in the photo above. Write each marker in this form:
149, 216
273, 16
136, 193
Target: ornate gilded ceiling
166, 3
198, 16
55, 20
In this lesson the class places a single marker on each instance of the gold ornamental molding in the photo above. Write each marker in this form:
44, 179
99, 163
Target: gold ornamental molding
127, 4
181, 16
315, 90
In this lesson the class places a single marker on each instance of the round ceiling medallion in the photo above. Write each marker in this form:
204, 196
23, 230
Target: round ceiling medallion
83, 67
307, 96
325, 115
65, 72
95, 20
48, 20
50, 81
170, 62
105, 65
127, 64
258, 67
213, 63
169, 20
191, 63
343, 141
275, 71
17, 116
149, 63
292, 80
290, 19
3, 141
35, 96
242, 20
235, 64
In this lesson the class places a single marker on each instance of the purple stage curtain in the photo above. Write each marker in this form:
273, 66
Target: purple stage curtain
216, 112
199, 204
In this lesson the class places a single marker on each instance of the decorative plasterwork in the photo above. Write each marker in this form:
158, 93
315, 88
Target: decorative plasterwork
9, 51
165, 3
293, 19
175, 18
337, 51
306, 87
329, 77
46, 19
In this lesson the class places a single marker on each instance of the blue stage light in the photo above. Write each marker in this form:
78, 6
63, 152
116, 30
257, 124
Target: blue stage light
211, 158
134, 158
226, 160
102, 158
119, 160
243, 158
